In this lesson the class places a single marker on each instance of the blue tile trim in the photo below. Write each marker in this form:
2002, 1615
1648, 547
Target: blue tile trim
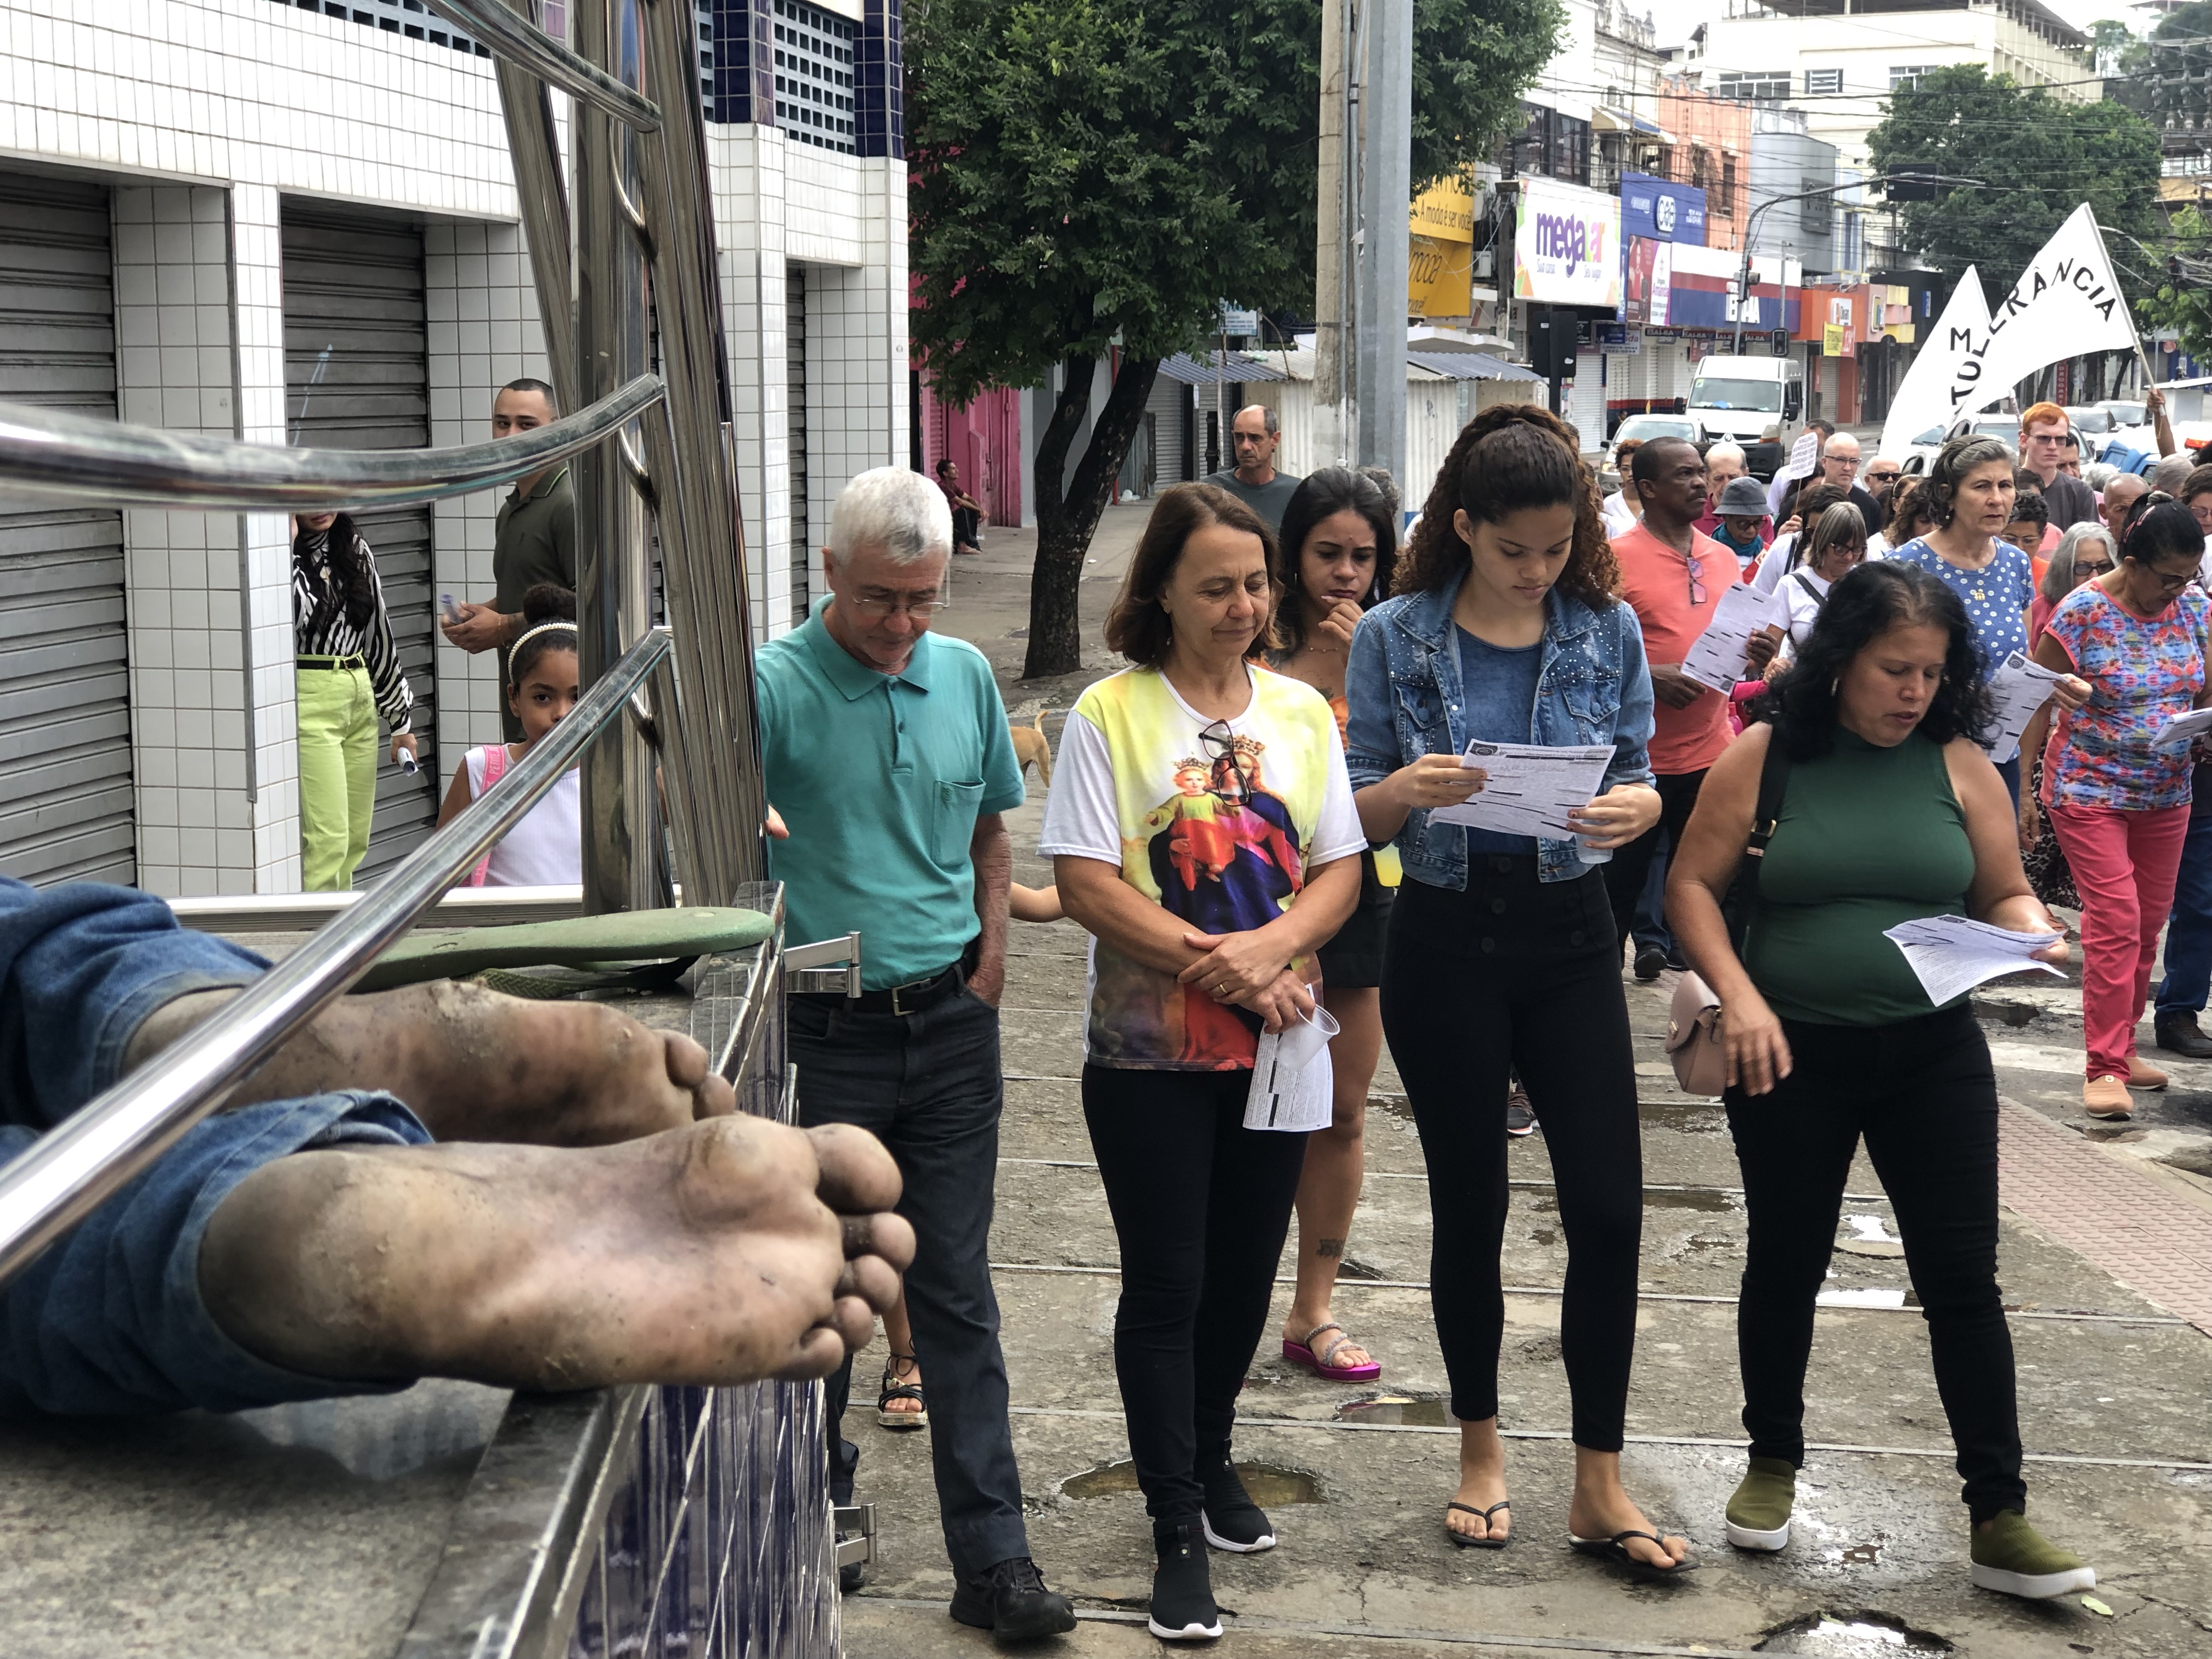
745, 63
881, 112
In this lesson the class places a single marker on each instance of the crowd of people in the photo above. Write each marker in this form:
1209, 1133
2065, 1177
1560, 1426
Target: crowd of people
1252, 821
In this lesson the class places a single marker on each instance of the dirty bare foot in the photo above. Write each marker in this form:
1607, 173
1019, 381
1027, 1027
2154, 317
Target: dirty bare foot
719, 1253
1601, 1508
476, 1065
1481, 1483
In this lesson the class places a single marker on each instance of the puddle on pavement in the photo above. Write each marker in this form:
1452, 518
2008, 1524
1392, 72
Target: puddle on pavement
1270, 1484
1862, 1635
1398, 1410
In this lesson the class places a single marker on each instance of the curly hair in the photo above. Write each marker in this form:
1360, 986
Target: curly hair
1949, 469
1866, 603
1506, 461
1323, 495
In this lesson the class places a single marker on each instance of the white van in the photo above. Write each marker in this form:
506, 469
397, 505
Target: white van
1738, 397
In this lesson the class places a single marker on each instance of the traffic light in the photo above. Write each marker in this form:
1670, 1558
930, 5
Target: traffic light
1778, 341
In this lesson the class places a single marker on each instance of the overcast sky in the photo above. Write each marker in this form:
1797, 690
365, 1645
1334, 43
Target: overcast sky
1676, 18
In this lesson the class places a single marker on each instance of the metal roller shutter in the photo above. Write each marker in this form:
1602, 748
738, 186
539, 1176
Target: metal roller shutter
66, 806
357, 376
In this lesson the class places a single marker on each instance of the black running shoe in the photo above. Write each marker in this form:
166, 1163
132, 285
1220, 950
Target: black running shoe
1651, 962
1231, 1520
1010, 1602
1182, 1586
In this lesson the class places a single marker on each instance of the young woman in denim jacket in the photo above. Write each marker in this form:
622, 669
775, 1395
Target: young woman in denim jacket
1502, 952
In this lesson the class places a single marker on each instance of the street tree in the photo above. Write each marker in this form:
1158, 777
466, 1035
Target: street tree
1091, 179
2183, 298
2038, 158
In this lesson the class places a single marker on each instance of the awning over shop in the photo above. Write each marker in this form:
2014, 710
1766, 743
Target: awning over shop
1470, 366
1239, 368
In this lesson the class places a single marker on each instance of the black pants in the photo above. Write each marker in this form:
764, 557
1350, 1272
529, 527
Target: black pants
1626, 873
1519, 975
928, 1086
1200, 1205
1923, 1093
966, 522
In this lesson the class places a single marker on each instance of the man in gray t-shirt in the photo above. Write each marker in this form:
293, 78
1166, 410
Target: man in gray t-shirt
1257, 435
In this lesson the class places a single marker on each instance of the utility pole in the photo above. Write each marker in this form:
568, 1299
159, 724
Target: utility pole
1386, 33
1332, 242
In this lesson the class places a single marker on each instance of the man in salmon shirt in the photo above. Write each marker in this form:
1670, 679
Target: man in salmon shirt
1673, 577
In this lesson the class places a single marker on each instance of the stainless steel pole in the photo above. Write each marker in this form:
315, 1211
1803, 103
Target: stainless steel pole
1385, 206
542, 198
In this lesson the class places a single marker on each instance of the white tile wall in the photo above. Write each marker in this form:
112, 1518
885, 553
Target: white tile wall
206, 113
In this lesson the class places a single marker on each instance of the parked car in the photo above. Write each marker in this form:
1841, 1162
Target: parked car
1925, 447
1642, 428
2126, 411
2091, 421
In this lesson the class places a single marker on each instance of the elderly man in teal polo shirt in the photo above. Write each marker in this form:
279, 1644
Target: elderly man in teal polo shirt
886, 755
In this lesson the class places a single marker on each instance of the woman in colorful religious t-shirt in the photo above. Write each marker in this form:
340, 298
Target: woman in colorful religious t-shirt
2119, 798
1200, 827
1970, 492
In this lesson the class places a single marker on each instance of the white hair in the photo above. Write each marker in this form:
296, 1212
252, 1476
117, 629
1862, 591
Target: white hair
891, 508
1736, 450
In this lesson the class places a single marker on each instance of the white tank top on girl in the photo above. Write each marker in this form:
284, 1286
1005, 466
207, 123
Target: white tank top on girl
546, 850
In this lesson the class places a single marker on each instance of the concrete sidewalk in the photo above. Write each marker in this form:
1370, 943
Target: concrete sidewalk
2104, 1262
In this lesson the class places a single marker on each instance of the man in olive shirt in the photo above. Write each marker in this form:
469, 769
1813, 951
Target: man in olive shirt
536, 541
1254, 480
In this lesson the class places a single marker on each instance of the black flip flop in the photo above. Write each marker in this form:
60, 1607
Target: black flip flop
1615, 1550
1466, 1543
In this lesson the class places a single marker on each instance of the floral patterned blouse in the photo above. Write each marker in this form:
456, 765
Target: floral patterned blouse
2145, 673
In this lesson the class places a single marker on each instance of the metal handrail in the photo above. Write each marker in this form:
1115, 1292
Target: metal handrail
522, 43
72, 1170
49, 453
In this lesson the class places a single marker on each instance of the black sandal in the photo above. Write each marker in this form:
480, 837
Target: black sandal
1615, 1550
1483, 1543
895, 1389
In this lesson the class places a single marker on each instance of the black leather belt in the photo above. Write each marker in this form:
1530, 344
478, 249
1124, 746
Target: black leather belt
908, 999
331, 662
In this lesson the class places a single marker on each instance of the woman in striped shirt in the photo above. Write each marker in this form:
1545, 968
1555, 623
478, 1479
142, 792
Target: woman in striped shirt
349, 675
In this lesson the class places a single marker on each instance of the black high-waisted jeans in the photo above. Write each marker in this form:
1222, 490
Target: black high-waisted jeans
1521, 976
1923, 1093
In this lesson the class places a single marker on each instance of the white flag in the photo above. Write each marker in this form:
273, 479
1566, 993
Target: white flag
2067, 302
1923, 398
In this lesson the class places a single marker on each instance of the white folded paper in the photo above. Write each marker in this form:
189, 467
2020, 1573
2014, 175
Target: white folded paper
2185, 729
1292, 1081
1530, 789
1716, 659
2019, 688
1951, 955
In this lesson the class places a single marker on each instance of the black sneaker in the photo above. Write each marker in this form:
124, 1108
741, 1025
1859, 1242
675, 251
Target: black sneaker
2179, 1034
1651, 962
1182, 1586
1520, 1115
1231, 1520
1010, 1602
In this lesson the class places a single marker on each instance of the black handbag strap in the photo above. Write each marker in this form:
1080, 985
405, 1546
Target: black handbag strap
1743, 891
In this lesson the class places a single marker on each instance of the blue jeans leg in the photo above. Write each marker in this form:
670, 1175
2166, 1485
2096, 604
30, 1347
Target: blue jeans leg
929, 1087
2188, 932
81, 967
1650, 925
2010, 771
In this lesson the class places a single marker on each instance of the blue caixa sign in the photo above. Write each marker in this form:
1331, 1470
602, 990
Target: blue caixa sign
1664, 212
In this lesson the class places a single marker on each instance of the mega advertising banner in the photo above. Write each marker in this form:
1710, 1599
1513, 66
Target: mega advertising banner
1566, 245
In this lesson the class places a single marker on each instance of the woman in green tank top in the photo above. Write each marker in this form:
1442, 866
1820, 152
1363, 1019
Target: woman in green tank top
1890, 810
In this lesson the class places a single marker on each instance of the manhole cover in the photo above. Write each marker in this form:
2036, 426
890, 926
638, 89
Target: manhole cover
1270, 1484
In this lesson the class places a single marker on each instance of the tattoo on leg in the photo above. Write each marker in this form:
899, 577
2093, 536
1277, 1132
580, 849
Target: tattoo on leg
1328, 1246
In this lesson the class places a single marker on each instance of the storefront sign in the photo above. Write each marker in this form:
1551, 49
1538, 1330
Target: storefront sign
1832, 339
1663, 211
1566, 245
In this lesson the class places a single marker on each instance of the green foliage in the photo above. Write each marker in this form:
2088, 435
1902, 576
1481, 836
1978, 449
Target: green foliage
2184, 303
1088, 172
2179, 78
2038, 157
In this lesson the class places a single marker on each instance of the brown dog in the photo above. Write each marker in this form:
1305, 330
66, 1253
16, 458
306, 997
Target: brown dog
1030, 744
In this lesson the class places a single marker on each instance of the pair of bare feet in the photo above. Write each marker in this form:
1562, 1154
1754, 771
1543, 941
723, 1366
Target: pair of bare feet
1601, 1507
595, 1213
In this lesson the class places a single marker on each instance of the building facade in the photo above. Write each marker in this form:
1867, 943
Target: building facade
294, 223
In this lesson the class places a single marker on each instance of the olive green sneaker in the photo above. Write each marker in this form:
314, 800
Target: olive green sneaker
1759, 1514
2013, 1558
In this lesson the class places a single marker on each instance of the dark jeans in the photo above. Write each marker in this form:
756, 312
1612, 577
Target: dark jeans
928, 1086
2010, 771
966, 522
1649, 926
2189, 931
1200, 1205
1923, 1093
1626, 873
1514, 973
